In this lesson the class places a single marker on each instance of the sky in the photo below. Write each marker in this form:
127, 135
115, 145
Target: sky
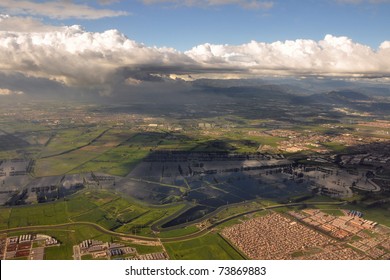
98, 45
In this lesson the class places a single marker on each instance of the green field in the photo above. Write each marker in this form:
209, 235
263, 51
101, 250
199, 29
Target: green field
379, 214
104, 208
178, 232
87, 257
62, 164
67, 139
116, 152
8, 154
4, 217
142, 249
117, 161
77, 205
43, 214
141, 224
85, 149
208, 247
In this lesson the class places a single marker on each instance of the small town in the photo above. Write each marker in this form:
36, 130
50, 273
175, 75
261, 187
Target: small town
310, 234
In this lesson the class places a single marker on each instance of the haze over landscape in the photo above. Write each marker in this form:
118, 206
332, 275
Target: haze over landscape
165, 129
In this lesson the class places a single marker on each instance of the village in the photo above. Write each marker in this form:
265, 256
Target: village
310, 234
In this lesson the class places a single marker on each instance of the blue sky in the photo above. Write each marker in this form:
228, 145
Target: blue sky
98, 45
175, 24
182, 27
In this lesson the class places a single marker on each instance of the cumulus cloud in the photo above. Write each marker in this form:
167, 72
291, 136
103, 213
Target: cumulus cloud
248, 4
332, 56
6, 91
79, 58
56, 9
100, 61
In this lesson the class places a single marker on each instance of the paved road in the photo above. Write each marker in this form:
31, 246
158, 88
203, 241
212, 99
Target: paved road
170, 239
95, 226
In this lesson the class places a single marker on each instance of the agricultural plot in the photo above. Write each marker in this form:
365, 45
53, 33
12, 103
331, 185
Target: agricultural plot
43, 214
98, 216
243, 143
98, 198
69, 139
178, 232
38, 138
64, 163
78, 151
4, 217
62, 252
179, 143
143, 221
111, 214
121, 158
117, 161
79, 205
100, 207
116, 213
209, 247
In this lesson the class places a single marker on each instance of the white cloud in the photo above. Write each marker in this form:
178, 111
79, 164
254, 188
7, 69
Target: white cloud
385, 45
338, 56
56, 9
24, 24
77, 58
249, 4
6, 91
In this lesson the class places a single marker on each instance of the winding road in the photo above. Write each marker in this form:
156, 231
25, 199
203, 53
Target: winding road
164, 240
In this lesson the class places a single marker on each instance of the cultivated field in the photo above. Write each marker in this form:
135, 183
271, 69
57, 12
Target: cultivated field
104, 208
209, 247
